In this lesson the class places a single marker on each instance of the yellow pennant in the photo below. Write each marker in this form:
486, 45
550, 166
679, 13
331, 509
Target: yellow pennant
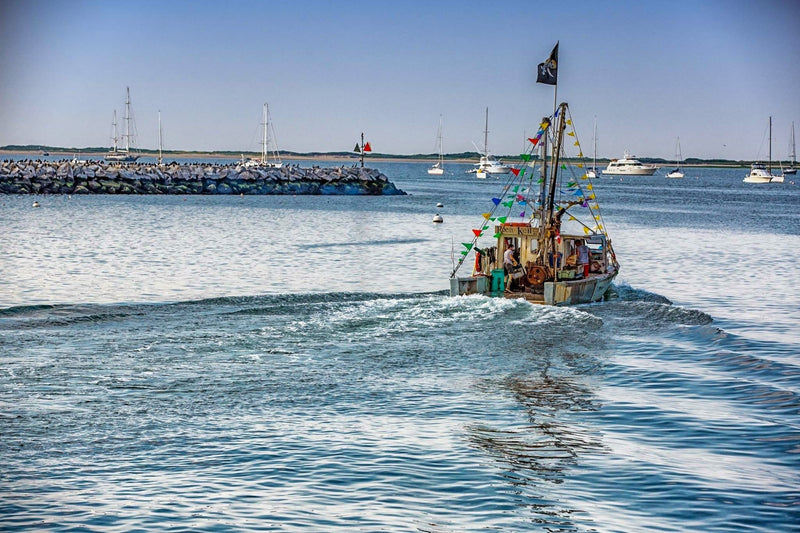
569, 122
487, 215
571, 133
580, 154
590, 187
580, 165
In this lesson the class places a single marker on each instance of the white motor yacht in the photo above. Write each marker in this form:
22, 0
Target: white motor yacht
629, 166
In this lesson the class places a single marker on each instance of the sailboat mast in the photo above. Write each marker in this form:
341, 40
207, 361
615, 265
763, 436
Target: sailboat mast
441, 153
793, 155
116, 134
264, 140
127, 119
160, 139
769, 167
486, 135
594, 140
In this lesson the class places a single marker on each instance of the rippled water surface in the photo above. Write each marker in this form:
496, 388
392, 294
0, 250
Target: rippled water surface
294, 364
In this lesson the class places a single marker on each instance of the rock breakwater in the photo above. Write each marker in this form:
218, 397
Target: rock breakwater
99, 177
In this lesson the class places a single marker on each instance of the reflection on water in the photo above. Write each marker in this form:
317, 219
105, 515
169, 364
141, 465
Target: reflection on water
540, 452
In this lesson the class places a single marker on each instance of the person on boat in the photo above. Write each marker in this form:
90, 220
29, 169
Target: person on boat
583, 258
509, 265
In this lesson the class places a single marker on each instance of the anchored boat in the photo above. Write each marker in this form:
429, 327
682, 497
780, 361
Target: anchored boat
562, 252
123, 154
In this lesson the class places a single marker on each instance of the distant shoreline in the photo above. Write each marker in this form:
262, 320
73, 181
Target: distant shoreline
335, 157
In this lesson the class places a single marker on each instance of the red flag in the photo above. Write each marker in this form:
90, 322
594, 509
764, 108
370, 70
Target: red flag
477, 232
533, 141
367, 148
515, 171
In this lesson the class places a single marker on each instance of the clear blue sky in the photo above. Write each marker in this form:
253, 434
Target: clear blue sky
711, 72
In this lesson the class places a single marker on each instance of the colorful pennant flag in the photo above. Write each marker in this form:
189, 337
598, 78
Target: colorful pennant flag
367, 148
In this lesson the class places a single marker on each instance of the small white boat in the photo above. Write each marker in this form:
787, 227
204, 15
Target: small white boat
438, 168
269, 156
488, 164
677, 172
629, 166
758, 172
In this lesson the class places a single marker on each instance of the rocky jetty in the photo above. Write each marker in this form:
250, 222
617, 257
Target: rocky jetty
99, 177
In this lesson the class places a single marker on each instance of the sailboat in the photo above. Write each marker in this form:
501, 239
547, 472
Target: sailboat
438, 168
269, 156
592, 172
564, 231
759, 174
677, 173
124, 155
487, 163
792, 168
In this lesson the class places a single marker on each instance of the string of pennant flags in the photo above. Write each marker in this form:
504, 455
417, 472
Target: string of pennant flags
577, 189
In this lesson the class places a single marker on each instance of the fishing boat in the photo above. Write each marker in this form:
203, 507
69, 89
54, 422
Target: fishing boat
438, 168
629, 166
487, 163
117, 153
758, 172
269, 153
677, 172
792, 168
564, 220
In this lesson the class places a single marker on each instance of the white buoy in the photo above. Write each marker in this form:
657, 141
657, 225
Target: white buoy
438, 218
35, 204
439, 205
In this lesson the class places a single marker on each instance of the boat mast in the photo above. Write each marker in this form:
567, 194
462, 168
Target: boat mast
127, 119
594, 140
116, 134
160, 138
769, 166
486, 135
362, 149
556, 156
264, 140
792, 154
441, 153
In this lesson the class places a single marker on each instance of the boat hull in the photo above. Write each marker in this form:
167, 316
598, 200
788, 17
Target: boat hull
646, 171
675, 174
564, 292
435, 171
121, 158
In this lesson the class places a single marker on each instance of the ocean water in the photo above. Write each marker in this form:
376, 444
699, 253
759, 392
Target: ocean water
295, 364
